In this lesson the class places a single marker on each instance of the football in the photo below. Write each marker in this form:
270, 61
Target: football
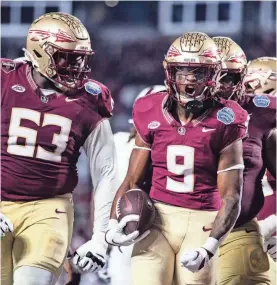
136, 202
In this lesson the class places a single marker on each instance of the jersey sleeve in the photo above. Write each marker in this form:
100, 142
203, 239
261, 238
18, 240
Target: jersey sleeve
140, 122
101, 97
105, 103
270, 116
232, 129
100, 150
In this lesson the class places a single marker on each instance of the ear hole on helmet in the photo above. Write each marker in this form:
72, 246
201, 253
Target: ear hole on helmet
36, 53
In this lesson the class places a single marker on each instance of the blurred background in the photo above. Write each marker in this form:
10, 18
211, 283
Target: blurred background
130, 39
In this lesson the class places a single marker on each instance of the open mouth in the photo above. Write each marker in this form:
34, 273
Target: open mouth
190, 90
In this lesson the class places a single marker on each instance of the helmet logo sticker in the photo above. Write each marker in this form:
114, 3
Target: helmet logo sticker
173, 51
153, 125
18, 88
210, 52
226, 116
93, 88
60, 36
238, 58
261, 101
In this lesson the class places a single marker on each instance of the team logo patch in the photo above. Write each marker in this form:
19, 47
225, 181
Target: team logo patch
154, 125
261, 101
226, 116
7, 66
181, 131
18, 88
93, 88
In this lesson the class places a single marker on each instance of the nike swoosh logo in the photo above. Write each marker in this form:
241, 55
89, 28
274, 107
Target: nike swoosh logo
70, 100
204, 130
59, 212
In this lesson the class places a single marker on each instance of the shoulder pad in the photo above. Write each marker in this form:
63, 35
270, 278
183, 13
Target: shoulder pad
149, 102
104, 100
231, 113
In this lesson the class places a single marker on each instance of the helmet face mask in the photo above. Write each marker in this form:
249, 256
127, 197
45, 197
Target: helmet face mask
230, 83
59, 48
189, 82
72, 69
192, 65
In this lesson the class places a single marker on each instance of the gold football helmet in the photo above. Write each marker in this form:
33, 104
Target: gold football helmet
234, 66
58, 46
192, 65
261, 76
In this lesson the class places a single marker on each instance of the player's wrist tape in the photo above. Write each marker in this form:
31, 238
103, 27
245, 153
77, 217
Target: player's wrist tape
268, 226
212, 244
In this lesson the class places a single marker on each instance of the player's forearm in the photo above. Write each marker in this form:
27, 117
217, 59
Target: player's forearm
127, 184
226, 217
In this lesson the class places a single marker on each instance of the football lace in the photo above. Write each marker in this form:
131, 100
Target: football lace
118, 208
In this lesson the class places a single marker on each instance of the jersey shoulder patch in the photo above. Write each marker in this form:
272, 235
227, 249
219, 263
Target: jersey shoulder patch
231, 113
100, 94
7, 65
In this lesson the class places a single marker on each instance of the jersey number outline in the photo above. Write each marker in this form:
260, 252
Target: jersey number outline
186, 169
15, 131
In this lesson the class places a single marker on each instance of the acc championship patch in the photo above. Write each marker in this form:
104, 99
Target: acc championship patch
226, 116
261, 101
7, 66
93, 88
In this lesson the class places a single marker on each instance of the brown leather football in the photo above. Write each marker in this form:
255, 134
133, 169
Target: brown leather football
136, 202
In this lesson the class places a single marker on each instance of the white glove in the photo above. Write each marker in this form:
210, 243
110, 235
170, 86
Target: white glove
268, 226
91, 256
270, 247
116, 236
196, 259
5, 225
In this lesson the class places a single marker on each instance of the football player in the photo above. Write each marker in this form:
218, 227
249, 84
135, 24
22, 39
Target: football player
195, 144
242, 259
50, 109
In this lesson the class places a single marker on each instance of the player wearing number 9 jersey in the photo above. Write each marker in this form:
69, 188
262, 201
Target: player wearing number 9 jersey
50, 109
194, 141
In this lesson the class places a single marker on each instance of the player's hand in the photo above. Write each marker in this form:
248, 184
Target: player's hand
5, 225
195, 260
116, 236
270, 247
91, 256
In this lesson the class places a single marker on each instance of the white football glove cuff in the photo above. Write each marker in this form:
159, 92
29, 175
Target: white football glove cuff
91, 256
115, 235
196, 259
5, 225
270, 247
268, 226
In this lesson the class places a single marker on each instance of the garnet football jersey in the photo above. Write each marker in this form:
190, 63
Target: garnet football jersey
41, 135
185, 158
262, 113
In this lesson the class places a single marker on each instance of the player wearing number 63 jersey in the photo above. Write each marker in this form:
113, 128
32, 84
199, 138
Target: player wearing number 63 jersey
194, 141
50, 109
